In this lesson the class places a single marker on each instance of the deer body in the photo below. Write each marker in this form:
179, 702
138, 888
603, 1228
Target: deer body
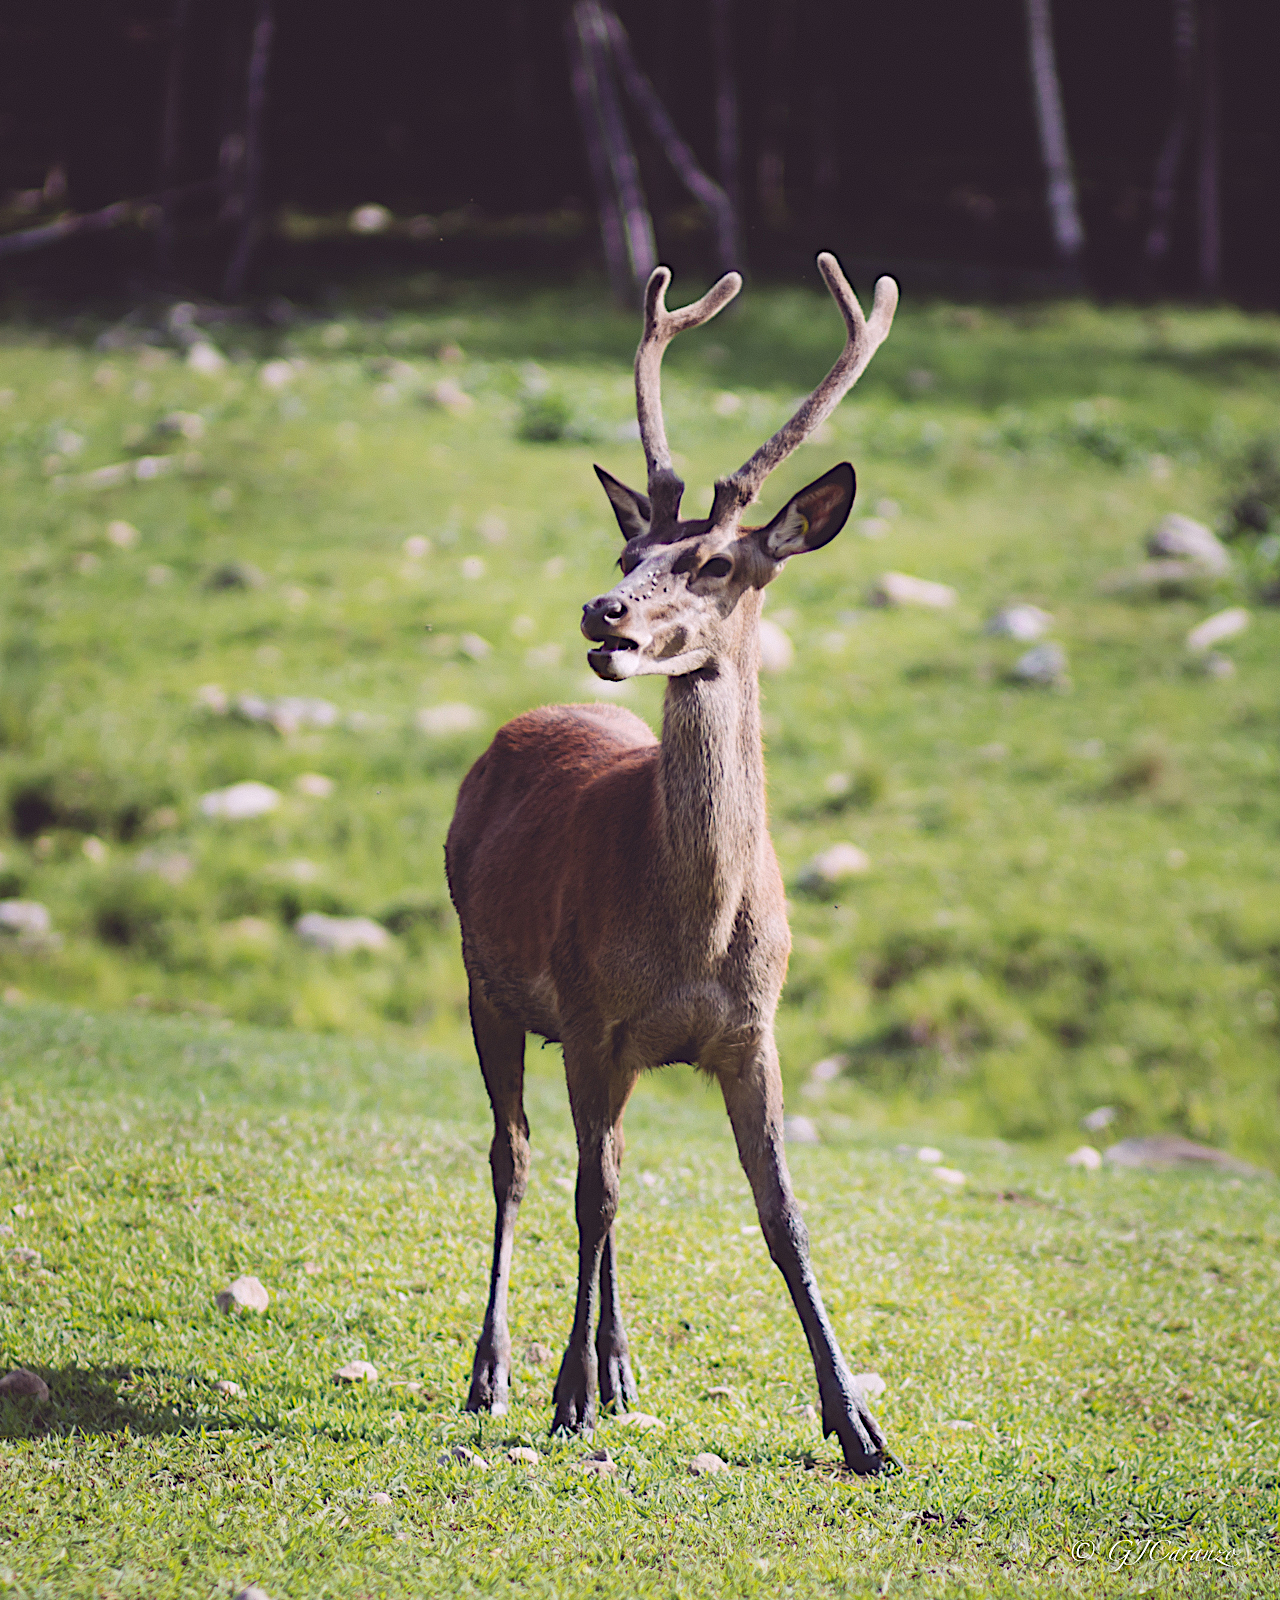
620, 894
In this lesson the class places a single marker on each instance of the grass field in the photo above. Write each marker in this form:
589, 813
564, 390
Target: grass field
1074, 896
1080, 1369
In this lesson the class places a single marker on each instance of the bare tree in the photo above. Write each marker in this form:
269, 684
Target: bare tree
726, 91
771, 165
1064, 211
1209, 199
171, 132
251, 221
1164, 188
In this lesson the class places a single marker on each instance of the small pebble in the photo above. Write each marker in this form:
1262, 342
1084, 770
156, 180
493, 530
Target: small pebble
869, 1384
599, 1463
928, 1155
229, 1390
381, 1498
356, 1372
460, 1456
23, 1385
26, 1255
953, 1178
641, 1421
799, 1130
245, 1294
522, 1455
707, 1464
721, 1391
538, 1355
1087, 1157
805, 1413
253, 1592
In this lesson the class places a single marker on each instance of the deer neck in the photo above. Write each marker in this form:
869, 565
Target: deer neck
711, 787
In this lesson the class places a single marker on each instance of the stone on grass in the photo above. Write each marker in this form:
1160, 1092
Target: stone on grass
314, 785
835, 865
720, 1391
205, 358
1099, 1118
799, 1130
1043, 663
1182, 538
276, 374
123, 535
240, 802
870, 1385
25, 1256
951, 1176
776, 649
521, 1455
24, 917
452, 396
371, 218
599, 1464
641, 1421
341, 935
460, 1456
1086, 1158
451, 717
1169, 577
1213, 630
706, 1464
255, 1591
245, 1294
828, 1069
227, 1389
929, 1154
380, 1497
901, 589
1170, 1150
1217, 666
474, 647
1021, 622
356, 1372
23, 1385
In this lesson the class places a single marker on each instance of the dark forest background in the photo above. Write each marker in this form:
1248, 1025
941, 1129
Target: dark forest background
906, 136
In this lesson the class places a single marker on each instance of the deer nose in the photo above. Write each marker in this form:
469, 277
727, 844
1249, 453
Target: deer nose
605, 608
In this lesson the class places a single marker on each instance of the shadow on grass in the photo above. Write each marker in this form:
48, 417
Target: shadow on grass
87, 1400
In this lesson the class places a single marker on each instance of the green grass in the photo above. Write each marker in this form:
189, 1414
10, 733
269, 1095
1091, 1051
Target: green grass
1081, 1368
1074, 897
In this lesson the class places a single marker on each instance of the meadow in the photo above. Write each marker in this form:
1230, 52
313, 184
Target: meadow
359, 539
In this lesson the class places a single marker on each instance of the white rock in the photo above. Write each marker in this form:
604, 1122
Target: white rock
240, 802
1213, 630
828, 1069
1099, 1118
1044, 663
205, 358
473, 569
521, 1455
23, 1385
416, 547
185, 424
292, 712
776, 650
341, 935
93, 849
799, 1130
227, 1389
27, 917
380, 1497
245, 1294
276, 375
1022, 622
726, 404
706, 1464
951, 1176
870, 1385
213, 697
538, 1355
451, 717
1216, 666
452, 396
1086, 1157
123, 535
1182, 538
835, 865
471, 644
599, 1464
356, 1372
641, 1421
929, 1155
900, 589
314, 785
369, 219
872, 527
255, 1591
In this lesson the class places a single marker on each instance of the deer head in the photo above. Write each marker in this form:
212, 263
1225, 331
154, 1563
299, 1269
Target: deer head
677, 608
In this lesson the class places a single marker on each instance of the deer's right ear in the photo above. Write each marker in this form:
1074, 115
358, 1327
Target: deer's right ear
631, 509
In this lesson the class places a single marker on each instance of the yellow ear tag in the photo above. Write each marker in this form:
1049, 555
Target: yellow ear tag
804, 522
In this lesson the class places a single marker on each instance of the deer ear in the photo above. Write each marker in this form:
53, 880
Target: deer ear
813, 517
631, 509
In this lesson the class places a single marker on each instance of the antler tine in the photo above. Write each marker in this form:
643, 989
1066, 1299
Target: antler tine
865, 336
660, 327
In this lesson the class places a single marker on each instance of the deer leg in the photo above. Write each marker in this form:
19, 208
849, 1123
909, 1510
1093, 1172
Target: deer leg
596, 1203
752, 1089
500, 1046
613, 1355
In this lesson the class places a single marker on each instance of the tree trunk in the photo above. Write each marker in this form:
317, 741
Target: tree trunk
1064, 212
581, 79
254, 118
524, 102
1165, 185
726, 92
637, 225
171, 133
1209, 199
771, 167
825, 89
685, 164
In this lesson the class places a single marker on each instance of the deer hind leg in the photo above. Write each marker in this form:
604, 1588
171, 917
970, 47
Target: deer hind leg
500, 1046
613, 1355
752, 1089
597, 1102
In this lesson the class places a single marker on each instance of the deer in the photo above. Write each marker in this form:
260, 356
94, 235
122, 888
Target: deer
619, 894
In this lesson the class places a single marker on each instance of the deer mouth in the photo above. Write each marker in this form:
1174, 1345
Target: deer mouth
612, 658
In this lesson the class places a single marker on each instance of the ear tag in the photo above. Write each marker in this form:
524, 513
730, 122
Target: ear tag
804, 523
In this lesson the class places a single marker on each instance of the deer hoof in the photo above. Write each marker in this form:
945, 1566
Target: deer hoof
859, 1434
575, 1396
488, 1390
617, 1385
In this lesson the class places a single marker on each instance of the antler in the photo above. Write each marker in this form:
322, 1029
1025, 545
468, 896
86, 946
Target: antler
660, 327
735, 493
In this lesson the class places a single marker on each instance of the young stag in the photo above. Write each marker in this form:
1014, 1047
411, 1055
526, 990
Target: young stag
620, 895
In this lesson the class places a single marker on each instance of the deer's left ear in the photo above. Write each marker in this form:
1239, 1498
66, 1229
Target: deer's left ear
813, 517
629, 506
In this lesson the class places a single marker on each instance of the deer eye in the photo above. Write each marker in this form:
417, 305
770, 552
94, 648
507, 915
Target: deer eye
717, 567
628, 563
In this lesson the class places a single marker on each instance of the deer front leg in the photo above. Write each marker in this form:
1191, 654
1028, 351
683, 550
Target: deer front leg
613, 1354
752, 1088
500, 1045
